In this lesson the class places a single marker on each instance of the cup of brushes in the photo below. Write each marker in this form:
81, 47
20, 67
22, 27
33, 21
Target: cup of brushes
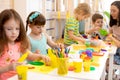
62, 66
59, 59
62, 61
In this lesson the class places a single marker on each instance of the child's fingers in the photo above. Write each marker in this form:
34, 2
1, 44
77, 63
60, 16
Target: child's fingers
109, 36
97, 28
46, 60
13, 66
58, 44
37, 51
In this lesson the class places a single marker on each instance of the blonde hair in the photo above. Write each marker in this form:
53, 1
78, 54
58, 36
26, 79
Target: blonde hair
84, 8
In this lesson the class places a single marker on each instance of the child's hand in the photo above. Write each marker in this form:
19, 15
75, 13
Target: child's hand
60, 45
109, 36
37, 51
82, 40
46, 59
97, 28
13, 66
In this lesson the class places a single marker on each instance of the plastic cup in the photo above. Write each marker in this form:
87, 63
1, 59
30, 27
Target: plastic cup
87, 66
78, 65
22, 72
62, 66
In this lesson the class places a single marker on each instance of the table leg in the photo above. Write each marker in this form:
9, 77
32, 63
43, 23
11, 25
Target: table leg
103, 73
110, 72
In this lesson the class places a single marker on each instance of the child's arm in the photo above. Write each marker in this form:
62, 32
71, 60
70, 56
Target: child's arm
116, 41
50, 42
90, 31
4, 69
76, 38
9, 67
32, 56
93, 30
29, 44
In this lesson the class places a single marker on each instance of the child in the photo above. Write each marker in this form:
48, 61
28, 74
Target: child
38, 38
115, 30
71, 35
13, 42
97, 21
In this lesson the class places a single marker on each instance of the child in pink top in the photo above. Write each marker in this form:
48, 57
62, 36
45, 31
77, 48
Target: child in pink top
13, 42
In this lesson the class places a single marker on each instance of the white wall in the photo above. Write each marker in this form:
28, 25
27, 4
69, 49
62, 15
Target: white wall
106, 4
5, 4
34, 5
21, 7
24, 7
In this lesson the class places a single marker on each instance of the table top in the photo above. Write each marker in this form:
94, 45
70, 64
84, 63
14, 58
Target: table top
92, 75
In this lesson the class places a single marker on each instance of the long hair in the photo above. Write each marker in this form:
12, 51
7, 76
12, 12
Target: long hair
6, 15
114, 21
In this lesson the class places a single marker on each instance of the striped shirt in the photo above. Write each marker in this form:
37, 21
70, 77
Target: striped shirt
73, 25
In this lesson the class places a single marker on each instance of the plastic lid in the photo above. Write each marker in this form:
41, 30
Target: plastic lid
37, 63
92, 68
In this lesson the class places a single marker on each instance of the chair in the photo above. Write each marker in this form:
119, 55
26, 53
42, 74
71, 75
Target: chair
112, 66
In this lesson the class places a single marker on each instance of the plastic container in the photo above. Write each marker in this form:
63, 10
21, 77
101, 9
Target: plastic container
22, 72
62, 66
77, 65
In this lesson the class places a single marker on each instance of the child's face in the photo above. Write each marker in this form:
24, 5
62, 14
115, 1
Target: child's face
98, 23
36, 29
12, 30
114, 12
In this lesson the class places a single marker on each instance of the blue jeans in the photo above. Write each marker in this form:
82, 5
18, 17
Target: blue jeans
117, 57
